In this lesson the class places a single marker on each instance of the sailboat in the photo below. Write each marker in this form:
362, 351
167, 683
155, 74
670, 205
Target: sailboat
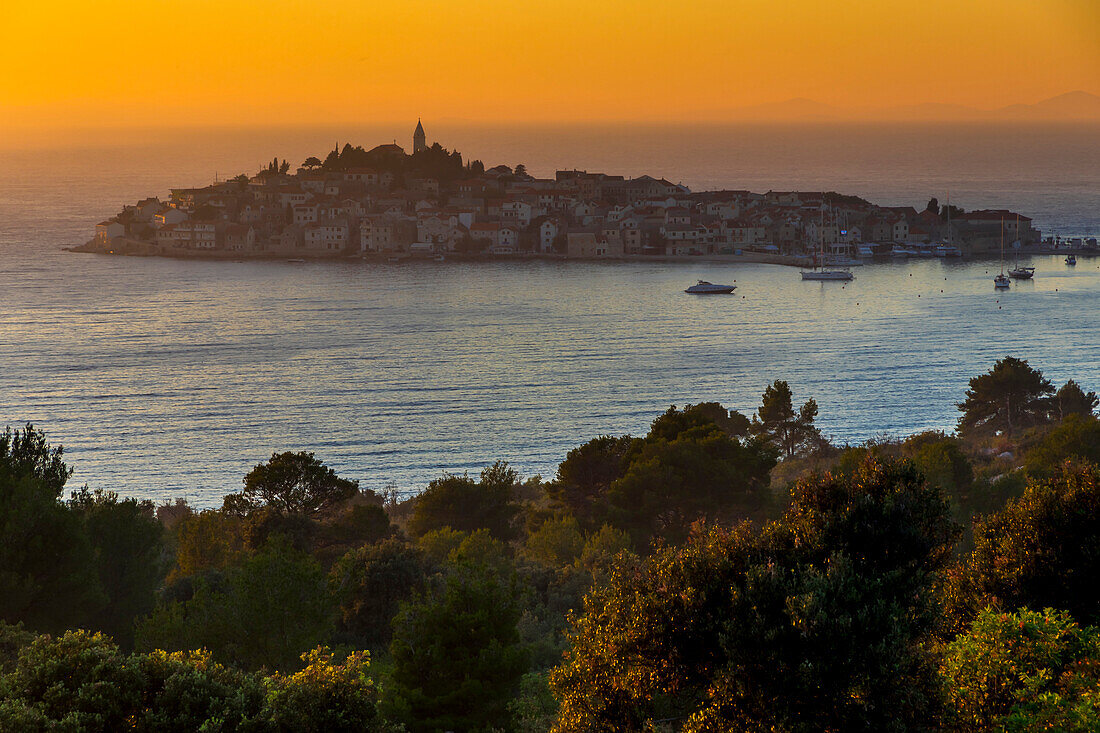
946, 248
819, 272
1001, 281
1020, 273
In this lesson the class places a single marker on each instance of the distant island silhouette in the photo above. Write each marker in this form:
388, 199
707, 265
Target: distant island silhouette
1077, 106
385, 203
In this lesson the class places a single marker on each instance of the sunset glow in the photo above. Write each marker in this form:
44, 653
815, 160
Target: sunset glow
116, 63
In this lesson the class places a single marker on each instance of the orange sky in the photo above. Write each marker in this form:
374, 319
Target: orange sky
109, 63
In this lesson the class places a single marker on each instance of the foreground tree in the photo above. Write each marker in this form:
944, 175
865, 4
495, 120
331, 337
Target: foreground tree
777, 421
129, 558
1024, 671
265, 613
585, 476
48, 578
686, 470
82, 681
818, 623
457, 654
1042, 550
1076, 438
209, 540
1009, 396
371, 582
466, 505
291, 483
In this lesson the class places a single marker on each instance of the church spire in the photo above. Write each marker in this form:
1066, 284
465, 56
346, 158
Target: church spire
419, 139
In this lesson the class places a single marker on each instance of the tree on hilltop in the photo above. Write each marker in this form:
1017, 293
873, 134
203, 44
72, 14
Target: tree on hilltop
1071, 399
1011, 395
777, 421
312, 162
291, 483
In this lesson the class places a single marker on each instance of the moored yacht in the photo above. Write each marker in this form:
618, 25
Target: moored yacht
1018, 272
1000, 282
705, 288
819, 272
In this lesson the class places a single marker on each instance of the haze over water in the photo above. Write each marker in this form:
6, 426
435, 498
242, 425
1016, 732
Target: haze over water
165, 378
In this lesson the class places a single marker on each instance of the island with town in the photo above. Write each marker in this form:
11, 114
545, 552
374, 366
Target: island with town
387, 204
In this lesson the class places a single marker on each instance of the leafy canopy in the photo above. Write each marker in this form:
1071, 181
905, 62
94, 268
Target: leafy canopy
1042, 550
1009, 396
777, 421
1024, 671
291, 483
817, 623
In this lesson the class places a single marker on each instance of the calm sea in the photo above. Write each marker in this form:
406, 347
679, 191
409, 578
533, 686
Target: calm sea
165, 378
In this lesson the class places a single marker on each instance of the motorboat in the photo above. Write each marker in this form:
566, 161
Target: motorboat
1071, 259
946, 250
705, 288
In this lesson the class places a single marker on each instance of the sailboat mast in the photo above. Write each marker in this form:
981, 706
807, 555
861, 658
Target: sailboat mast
1002, 245
1016, 246
951, 239
821, 239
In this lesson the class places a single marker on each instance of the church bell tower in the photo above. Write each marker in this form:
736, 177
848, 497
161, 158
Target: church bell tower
418, 138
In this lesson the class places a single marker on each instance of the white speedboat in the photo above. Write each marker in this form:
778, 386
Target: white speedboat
827, 275
1022, 273
705, 288
946, 250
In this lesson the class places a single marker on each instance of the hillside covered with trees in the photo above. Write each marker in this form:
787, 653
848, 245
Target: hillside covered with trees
721, 572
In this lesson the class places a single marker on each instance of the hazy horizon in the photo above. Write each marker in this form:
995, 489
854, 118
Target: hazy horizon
374, 132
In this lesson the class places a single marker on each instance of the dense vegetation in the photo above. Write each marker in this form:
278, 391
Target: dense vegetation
720, 572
